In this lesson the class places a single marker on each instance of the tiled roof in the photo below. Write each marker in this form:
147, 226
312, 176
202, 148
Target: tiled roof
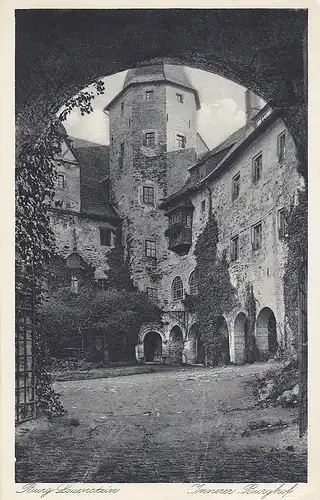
94, 167
157, 72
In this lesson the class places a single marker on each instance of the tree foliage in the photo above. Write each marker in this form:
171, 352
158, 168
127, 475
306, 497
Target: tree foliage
35, 246
215, 292
74, 320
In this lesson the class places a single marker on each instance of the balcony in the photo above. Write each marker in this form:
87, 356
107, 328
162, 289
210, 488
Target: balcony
180, 238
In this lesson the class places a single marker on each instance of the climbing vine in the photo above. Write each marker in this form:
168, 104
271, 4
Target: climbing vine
215, 292
297, 242
251, 353
35, 245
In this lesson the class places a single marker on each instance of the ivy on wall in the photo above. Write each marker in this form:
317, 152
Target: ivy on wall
215, 293
297, 242
251, 352
35, 245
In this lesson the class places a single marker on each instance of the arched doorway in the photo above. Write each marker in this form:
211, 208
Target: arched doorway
152, 344
223, 356
195, 353
266, 332
175, 345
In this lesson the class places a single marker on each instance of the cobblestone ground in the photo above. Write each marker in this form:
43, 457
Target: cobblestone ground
181, 425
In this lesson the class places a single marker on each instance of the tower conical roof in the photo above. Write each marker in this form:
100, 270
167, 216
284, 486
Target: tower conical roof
158, 72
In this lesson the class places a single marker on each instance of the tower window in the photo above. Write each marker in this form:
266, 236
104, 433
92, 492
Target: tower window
152, 294
177, 288
122, 106
181, 141
150, 139
236, 187
193, 283
234, 248
180, 98
257, 167
150, 248
281, 146
149, 95
203, 205
148, 195
61, 181
257, 236
105, 237
281, 223
122, 149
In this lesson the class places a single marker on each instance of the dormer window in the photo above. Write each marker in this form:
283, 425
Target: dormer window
149, 95
61, 181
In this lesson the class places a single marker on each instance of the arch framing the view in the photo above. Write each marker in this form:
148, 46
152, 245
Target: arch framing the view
275, 72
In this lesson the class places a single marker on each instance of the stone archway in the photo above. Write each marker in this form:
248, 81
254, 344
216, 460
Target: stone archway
195, 347
152, 346
266, 332
175, 346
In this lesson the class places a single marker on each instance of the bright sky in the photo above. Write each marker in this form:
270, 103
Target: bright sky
222, 109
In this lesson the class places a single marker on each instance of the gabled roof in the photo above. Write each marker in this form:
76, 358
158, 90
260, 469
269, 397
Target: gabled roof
94, 167
156, 73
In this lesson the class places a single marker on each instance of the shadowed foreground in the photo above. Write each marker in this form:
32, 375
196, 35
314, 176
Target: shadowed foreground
181, 425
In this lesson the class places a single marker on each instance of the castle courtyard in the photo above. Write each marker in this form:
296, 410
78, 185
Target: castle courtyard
177, 424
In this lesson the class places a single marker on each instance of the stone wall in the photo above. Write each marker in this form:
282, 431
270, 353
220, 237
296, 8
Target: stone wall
263, 268
72, 231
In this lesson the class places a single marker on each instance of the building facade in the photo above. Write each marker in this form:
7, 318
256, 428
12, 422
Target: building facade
156, 184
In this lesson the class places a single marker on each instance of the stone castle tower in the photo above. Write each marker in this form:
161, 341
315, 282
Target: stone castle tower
153, 141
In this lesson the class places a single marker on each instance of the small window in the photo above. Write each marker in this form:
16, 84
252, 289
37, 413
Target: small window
257, 236
61, 181
177, 288
236, 187
189, 220
282, 229
193, 283
148, 195
150, 139
150, 249
181, 141
149, 95
122, 106
105, 237
257, 168
175, 218
180, 98
152, 294
103, 283
122, 149
74, 284
203, 205
234, 248
281, 146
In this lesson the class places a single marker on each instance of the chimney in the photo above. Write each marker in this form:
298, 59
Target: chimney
253, 105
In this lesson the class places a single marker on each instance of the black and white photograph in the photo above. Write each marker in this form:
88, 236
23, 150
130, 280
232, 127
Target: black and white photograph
161, 249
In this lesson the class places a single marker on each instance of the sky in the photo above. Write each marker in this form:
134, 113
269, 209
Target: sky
222, 109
